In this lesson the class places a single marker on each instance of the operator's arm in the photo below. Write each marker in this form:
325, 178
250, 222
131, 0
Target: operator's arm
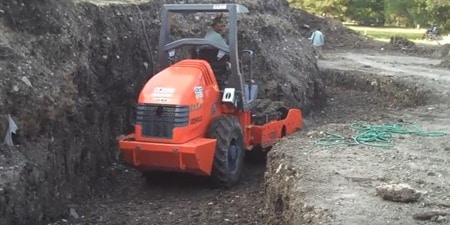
214, 36
312, 36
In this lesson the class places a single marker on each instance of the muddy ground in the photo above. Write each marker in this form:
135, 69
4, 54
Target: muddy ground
173, 199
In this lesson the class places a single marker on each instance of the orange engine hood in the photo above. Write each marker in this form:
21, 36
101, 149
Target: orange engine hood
174, 106
179, 84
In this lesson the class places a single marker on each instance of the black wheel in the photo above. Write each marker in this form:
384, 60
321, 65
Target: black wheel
229, 154
257, 155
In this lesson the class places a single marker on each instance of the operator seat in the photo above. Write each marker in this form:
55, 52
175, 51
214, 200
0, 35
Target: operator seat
219, 66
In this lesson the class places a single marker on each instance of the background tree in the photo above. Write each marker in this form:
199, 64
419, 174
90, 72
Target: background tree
390, 12
406, 12
366, 10
332, 8
439, 11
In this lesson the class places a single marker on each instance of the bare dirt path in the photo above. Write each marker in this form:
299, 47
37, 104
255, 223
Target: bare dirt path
415, 69
395, 65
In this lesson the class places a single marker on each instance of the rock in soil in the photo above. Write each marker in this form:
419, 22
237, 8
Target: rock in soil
436, 216
398, 193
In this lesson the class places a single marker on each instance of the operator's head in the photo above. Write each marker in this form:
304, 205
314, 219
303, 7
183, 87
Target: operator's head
218, 24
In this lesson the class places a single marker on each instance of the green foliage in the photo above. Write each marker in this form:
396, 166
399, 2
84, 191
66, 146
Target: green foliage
334, 8
441, 14
408, 12
366, 10
394, 12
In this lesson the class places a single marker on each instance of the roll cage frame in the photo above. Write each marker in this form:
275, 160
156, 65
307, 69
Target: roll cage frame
236, 79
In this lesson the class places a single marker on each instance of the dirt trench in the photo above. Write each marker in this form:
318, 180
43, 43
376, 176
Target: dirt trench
70, 74
171, 199
289, 190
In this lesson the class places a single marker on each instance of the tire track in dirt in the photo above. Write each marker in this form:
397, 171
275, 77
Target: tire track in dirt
172, 199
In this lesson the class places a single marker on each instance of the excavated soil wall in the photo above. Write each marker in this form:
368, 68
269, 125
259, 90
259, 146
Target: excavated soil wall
285, 200
400, 92
70, 75
85, 65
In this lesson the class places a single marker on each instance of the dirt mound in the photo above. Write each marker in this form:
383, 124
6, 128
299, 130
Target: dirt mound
285, 68
441, 51
401, 42
408, 47
336, 34
445, 62
70, 76
444, 53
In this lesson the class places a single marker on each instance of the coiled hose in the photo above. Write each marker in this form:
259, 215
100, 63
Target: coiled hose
375, 135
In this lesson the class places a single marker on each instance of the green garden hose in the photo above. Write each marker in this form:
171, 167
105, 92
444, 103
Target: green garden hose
375, 135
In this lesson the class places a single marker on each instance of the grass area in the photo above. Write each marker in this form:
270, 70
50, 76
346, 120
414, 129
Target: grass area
388, 32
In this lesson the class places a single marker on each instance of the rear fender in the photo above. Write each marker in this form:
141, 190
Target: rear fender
293, 121
266, 135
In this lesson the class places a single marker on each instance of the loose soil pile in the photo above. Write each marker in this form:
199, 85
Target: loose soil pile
443, 53
336, 34
445, 62
401, 43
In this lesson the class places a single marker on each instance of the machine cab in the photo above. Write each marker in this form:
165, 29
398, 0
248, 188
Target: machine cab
179, 41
